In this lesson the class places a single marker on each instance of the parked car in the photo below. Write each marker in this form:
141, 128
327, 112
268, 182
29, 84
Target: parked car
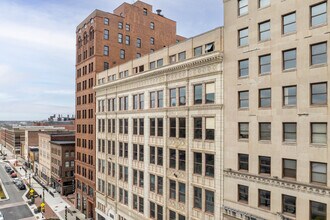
7, 168
20, 185
13, 175
1, 216
11, 171
15, 180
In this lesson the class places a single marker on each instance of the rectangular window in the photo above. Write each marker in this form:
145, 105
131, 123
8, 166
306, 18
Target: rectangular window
243, 193
182, 56
319, 133
197, 198
172, 159
172, 193
264, 3
141, 126
152, 126
152, 99
152, 65
172, 97
319, 173
138, 43
264, 64
209, 93
289, 168
182, 96
318, 211
319, 93
243, 99
127, 40
182, 192
135, 126
209, 201
198, 128
243, 36
172, 59
160, 101
159, 63
290, 132
289, 59
243, 7
152, 40
264, 31
209, 47
265, 131
198, 163
141, 101
264, 199
198, 94
289, 204
172, 127
243, 130
264, 165
152, 155
318, 14
198, 51
290, 96
106, 34
120, 38
135, 102
209, 165
106, 21
209, 128
120, 25
182, 127
106, 51
319, 53
265, 98
127, 27
160, 127
122, 54
243, 162
289, 23
243, 68
160, 156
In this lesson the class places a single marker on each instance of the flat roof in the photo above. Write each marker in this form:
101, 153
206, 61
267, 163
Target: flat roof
63, 142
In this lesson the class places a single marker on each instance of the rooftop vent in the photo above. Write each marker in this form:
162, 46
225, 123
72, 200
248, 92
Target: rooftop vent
159, 11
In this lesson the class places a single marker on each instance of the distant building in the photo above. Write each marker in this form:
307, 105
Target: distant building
105, 40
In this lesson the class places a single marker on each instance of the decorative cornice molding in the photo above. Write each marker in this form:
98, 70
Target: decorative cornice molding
239, 214
280, 183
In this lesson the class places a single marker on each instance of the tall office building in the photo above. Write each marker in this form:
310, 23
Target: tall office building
276, 109
159, 134
105, 40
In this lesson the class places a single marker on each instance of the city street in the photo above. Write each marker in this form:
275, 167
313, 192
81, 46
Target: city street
15, 207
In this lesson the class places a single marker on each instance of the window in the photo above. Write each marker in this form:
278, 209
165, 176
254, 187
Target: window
152, 25
122, 54
138, 55
182, 56
198, 163
172, 127
243, 99
152, 126
209, 165
159, 63
264, 199
145, 11
120, 38
120, 25
289, 204
319, 173
182, 96
289, 23
182, 192
319, 14
243, 7
197, 51
152, 65
198, 93
172, 193
209, 47
319, 94
152, 99
172, 59
243, 193
182, 127
265, 98
319, 133
264, 165
197, 128
264, 131
172, 163
289, 168
106, 51
106, 34
289, 59
243, 68
160, 102
209, 201
290, 132
209, 128
264, 31
106, 21
152, 40
264, 3
318, 211
243, 162
264, 64
160, 127
106, 65
138, 42
290, 96
197, 198
209, 93
318, 53
172, 97
243, 36
243, 130
127, 40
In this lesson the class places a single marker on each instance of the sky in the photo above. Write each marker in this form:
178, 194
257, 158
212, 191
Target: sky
37, 41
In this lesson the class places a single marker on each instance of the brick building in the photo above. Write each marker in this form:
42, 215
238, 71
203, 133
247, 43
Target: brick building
105, 40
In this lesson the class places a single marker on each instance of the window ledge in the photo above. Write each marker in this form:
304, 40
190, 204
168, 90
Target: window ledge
264, 74
289, 107
288, 34
318, 65
319, 145
261, 8
243, 77
264, 41
265, 108
242, 46
289, 70
289, 143
264, 142
318, 26
318, 105
243, 15
243, 109
243, 140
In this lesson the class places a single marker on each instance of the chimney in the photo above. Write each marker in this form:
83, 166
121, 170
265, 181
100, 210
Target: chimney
159, 11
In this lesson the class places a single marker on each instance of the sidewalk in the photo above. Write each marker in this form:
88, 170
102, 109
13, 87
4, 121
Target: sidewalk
57, 204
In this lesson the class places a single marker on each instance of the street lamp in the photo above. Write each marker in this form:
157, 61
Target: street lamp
43, 195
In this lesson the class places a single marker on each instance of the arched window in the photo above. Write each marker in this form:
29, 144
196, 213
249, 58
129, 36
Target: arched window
91, 34
85, 38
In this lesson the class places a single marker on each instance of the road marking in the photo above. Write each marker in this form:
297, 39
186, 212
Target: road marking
13, 205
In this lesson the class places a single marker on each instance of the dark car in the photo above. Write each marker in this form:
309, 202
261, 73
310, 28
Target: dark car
13, 175
20, 185
7, 168
11, 172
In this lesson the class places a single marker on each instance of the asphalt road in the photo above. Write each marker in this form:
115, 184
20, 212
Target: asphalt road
15, 207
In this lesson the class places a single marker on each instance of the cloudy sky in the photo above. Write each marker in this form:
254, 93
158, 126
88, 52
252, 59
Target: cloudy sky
37, 41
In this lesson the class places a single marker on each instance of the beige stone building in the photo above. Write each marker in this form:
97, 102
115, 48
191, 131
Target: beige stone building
276, 109
159, 134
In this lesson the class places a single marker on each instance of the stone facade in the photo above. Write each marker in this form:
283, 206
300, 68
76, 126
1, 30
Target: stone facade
276, 110
159, 134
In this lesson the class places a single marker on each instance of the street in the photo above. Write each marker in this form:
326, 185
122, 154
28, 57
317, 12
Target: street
15, 207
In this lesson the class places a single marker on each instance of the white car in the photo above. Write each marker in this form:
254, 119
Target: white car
15, 180
1, 216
